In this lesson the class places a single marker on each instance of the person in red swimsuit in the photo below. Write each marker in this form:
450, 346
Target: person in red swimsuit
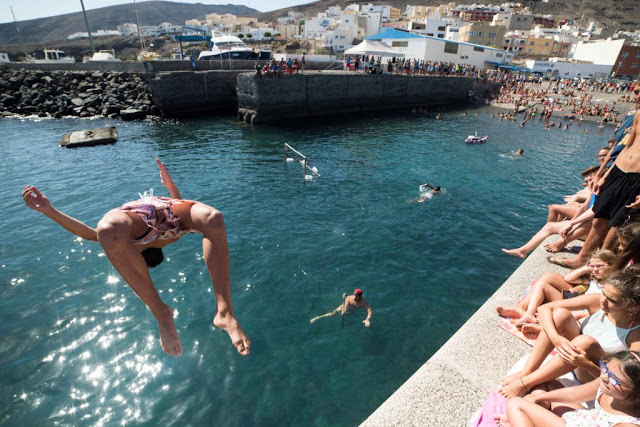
133, 236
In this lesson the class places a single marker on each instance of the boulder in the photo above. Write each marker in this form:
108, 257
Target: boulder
77, 102
88, 138
132, 114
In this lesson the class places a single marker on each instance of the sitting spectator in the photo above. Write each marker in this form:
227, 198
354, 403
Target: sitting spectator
613, 325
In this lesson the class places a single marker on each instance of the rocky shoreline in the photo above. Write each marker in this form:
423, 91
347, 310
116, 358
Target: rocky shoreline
60, 94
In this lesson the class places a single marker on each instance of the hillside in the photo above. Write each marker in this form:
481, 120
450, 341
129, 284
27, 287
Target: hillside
54, 28
614, 14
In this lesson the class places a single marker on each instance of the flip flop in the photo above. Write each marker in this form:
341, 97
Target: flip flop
558, 261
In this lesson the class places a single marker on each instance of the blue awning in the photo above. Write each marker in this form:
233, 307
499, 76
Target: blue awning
393, 33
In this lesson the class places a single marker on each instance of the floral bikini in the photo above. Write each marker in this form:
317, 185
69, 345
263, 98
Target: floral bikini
157, 214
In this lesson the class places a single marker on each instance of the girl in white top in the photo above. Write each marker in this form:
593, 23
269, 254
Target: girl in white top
617, 399
550, 286
613, 325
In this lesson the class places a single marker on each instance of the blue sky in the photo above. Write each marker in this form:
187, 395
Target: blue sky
31, 9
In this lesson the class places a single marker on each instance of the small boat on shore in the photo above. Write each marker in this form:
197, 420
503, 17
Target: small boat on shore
475, 139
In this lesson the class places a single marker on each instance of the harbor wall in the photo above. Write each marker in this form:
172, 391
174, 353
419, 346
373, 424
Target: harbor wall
184, 92
451, 387
151, 66
264, 99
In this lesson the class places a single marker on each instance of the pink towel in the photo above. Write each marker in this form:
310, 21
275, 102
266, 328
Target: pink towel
495, 404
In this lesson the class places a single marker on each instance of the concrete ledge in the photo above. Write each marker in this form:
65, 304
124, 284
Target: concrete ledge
265, 99
453, 385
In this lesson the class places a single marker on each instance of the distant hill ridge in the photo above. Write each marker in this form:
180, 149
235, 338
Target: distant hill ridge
45, 30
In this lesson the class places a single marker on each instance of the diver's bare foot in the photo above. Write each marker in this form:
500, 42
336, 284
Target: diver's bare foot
514, 311
531, 330
238, 338
519, 252
169, 339
555, 247
514, 389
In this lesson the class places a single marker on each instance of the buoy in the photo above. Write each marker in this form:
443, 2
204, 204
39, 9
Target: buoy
308, 177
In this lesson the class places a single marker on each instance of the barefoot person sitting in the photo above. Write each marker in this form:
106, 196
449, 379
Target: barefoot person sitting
350, 305
133, 236
616, 392
613, 325
554, 287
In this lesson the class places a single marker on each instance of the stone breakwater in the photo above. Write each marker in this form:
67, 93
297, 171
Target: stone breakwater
75, 93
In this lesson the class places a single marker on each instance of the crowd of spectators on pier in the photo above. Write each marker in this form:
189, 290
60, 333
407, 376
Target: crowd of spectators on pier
584, 326
371, 64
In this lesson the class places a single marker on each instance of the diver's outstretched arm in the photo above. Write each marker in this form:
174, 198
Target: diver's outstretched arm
167, 181
40, 203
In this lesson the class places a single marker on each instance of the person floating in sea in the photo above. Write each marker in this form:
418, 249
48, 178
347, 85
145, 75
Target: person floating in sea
427, 191
351, 304
519, 153
133, 236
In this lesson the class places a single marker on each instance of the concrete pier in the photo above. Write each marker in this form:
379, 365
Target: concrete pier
183, 92
264, 99
456, 381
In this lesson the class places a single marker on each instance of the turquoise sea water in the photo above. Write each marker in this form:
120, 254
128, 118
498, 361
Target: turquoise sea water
77, 347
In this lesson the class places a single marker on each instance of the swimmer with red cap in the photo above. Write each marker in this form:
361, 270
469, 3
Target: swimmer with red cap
351, 304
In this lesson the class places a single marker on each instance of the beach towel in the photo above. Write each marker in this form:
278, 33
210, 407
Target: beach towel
507, 323
495, 404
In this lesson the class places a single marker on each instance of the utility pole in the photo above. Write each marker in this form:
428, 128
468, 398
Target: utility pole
86, 21
138, 23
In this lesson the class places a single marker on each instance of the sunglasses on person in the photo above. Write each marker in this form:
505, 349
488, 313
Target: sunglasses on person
611, 378
597, 266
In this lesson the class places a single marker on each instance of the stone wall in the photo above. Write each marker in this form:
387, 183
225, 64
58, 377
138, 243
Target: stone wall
262, 99
184, 92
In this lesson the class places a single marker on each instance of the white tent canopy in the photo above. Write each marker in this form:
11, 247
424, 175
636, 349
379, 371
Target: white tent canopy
375, 48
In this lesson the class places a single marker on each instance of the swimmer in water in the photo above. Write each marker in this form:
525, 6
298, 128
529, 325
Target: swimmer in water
351, 304
519, 153
438, 116
133, 235
427, 192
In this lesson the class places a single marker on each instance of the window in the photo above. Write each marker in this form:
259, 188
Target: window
493, 35
400, 44
624, 55
440, 36
451, 47
546, 43
442, 28
478, 49
532, 44
634, 65
498, 55
638, 54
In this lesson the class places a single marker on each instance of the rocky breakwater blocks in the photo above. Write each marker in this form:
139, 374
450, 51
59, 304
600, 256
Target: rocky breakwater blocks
89, 138
66, 93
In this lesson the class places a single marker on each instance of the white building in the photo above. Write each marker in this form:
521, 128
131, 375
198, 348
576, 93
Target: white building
415, 46
598, 52
316, 27
259, 33
569, 69
370, 23
98, 33
453, 31
169, 28
384, 11
150, 31
127, 29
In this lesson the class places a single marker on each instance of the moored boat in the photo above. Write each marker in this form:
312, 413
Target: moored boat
475, 139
